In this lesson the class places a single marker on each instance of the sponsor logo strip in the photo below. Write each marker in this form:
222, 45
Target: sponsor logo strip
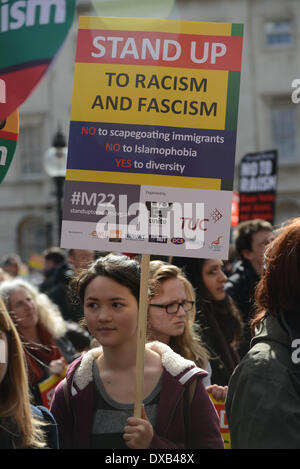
144, 179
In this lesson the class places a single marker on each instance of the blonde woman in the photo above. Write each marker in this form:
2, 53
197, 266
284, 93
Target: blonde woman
42, 331
182, 339
20, 426
171, 318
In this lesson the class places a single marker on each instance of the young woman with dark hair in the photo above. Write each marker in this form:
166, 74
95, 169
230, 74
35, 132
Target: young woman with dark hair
263, 402
219, 321
95, 406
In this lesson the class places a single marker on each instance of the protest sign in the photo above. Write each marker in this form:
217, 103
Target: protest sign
257, 186
47, 388
224, 428
32, 32
235, 208
9, 135
152, 137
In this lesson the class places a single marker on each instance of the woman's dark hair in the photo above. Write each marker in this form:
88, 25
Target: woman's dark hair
193, 269
279, 287
121, 269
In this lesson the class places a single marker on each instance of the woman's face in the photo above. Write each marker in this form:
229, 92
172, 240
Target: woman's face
111, 312
24, 309
214, 278
164, 325
3, 355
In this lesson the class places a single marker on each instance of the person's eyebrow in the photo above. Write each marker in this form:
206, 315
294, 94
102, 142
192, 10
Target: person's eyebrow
213, 266
109, 299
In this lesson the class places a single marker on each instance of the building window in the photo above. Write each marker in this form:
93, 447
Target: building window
278, 33
30, 142
32, 237
284, 133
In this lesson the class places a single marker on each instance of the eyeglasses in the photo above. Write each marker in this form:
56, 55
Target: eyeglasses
172, 308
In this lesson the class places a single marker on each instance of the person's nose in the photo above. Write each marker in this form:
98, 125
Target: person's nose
222, 277
28, 305
104, 314
181, 312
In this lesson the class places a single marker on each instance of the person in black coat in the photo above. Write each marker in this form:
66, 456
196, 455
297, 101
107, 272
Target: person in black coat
219, 321
58, 274
263, 400
251, 239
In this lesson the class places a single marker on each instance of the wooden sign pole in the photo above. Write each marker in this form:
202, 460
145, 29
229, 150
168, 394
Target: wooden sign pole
141, 338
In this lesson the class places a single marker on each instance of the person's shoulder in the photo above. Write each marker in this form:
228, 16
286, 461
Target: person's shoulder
51, 431
153, 362
42, 413
238, 274
264, 361
173, 363
74, 364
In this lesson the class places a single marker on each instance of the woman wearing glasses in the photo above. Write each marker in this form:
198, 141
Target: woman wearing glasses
171, 312
171, 318
95, 407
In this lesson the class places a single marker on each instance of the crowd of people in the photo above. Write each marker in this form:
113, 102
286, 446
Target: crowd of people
224, 331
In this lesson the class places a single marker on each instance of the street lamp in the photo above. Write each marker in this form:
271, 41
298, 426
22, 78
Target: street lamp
55, 166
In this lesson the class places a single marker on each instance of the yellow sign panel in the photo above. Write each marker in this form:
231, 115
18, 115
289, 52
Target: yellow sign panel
161, 96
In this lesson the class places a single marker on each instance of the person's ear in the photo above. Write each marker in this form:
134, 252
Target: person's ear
247, 254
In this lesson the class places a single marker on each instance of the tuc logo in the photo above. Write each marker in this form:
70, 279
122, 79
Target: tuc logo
188, 221
177, 240
215, 215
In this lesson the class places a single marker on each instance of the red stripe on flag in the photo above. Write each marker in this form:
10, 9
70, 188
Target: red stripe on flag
19, 85
8, 135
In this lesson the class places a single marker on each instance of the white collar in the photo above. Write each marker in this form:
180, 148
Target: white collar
171, 361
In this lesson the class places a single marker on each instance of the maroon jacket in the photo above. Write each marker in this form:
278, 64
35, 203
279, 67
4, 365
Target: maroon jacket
169, 433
